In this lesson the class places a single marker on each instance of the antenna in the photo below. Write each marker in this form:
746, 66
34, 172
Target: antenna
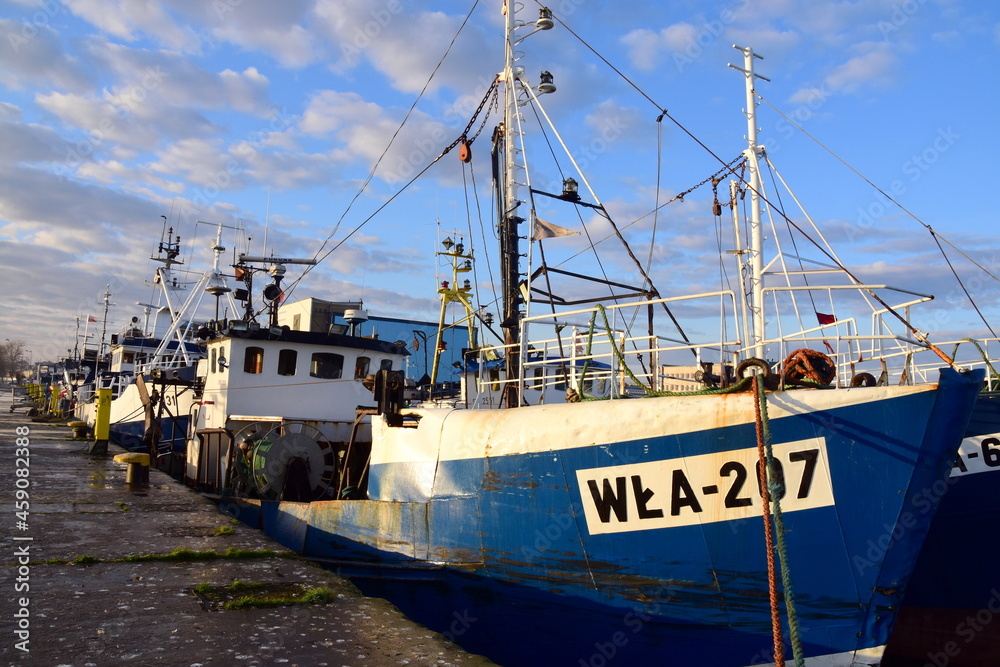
267, 217
276, 269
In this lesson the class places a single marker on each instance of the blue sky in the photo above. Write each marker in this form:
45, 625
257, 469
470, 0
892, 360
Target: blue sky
115, 113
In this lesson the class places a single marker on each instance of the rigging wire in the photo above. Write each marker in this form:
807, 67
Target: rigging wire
795, 247
678, 197
482, 231
920, 335
579, 214
385, 151
935, 235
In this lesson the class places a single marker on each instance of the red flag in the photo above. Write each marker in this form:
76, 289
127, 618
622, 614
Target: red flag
91, 319
829, 347
825, 319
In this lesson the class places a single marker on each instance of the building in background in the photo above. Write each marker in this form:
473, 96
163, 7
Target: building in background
320, 316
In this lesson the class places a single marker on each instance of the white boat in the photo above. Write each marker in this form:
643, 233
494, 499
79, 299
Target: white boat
151, 368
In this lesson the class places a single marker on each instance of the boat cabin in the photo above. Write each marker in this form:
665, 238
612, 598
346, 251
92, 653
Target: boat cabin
260, 381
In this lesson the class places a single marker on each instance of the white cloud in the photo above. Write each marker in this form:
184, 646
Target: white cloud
33, 55
405, 46
147, 78
25, 142
330, 110
645, 45
873, 68
127, 19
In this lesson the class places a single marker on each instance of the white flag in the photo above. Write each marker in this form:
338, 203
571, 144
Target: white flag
546, 230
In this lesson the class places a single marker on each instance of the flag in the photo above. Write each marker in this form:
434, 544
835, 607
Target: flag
91, 319
546, 230
829, 347
825, 319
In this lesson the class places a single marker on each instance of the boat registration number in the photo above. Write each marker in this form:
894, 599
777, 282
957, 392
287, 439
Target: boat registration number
980, 453
702, 489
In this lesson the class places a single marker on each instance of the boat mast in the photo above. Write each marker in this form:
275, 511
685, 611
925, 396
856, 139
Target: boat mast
104, 323
508, 219
753, 153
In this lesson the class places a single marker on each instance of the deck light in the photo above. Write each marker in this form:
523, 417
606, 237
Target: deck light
546, 85
570, 190
544, 21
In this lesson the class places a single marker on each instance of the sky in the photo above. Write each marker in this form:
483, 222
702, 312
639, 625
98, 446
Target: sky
118, 117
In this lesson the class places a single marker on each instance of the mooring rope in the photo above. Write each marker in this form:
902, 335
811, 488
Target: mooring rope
765, 471
765, 496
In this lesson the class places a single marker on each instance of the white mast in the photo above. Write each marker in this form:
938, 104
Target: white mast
753, 153
507, 217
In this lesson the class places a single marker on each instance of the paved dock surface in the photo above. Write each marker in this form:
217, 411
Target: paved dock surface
115, 612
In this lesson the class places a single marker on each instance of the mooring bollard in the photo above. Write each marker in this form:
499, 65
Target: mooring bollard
79, 429
137, 472
102, 423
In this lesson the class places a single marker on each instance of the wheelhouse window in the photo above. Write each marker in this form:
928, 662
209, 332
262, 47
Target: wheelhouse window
385, 365
326, 365
361, 367
286, 362
253, 360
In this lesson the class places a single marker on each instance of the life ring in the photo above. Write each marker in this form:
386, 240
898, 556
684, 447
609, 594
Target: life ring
746, 364
806, 366
863, 380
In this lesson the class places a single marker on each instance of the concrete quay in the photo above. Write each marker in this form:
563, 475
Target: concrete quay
91, 575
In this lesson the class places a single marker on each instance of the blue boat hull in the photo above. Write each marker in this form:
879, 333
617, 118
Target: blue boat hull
129, 435
590, 547
951, 611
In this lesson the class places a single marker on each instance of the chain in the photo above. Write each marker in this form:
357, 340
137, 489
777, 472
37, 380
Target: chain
491, 93
727, 168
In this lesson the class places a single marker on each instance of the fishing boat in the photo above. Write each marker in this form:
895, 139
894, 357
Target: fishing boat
949, 610
151, 365
613, 502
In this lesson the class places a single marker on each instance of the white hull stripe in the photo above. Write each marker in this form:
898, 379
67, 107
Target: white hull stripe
447, 434
863, 658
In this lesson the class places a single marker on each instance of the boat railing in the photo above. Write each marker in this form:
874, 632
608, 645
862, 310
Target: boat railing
918, 364
163, 363
116, 383
587, 350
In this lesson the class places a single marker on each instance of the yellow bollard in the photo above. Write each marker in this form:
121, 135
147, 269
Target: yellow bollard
54, 400
102, 423
137, 472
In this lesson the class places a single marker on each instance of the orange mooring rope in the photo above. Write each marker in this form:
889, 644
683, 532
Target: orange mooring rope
765, 494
